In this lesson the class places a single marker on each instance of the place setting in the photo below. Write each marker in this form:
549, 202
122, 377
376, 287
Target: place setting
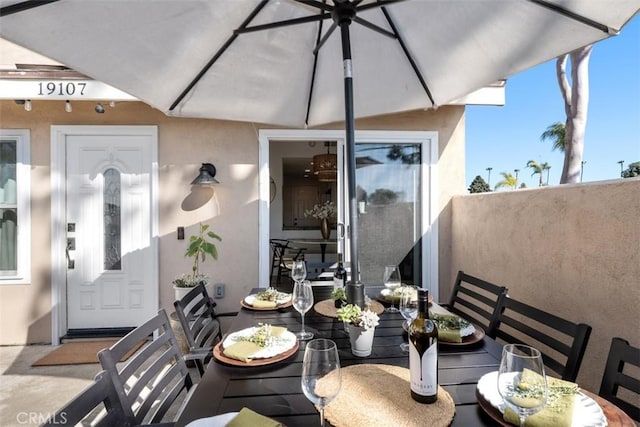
453, 330
269, 299
522, 391
259, 345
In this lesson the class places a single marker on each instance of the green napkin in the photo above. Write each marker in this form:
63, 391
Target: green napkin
264, 304
448, 327
242, 350
249, 418
558, 412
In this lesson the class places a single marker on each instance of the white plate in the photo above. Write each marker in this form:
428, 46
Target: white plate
217, 421
283, 300
284, 342
586, 412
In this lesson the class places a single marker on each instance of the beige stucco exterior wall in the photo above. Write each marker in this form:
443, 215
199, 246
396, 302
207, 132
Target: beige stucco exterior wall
572, 250
25, 310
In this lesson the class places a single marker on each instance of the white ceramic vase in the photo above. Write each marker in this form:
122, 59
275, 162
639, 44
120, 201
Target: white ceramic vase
361, 340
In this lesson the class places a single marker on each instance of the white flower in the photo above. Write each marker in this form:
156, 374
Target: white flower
353, 314
321, 210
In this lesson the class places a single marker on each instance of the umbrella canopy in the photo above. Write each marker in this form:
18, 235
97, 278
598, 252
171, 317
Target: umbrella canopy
306, 62
154, 50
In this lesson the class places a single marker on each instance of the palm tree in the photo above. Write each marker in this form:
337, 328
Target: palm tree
555, 133
537, 169
545, 167
508, 181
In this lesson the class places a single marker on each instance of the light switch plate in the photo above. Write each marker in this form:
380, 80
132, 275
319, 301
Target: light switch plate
219, 290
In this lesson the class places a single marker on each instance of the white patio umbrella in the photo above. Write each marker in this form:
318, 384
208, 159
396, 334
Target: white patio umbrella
300, 62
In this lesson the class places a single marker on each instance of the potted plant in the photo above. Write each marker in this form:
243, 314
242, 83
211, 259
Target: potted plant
361, 325
323, 211
200, 246
339, 297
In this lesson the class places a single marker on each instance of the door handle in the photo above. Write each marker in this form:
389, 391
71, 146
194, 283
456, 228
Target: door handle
340, 230
71, 245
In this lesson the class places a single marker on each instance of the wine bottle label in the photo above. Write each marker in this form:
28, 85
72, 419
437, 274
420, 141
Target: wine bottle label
424, 370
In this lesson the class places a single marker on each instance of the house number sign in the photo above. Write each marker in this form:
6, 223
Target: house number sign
86, 90
61, 88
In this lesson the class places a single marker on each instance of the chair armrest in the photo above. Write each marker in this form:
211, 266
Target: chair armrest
228, 314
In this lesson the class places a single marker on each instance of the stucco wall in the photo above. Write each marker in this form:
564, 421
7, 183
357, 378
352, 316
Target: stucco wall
183, 144
572, 250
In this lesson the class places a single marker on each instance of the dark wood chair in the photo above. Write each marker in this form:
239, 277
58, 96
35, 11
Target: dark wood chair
155, 376
97, 405
475, 299
616, 377
561, 342
200, 324
283, 255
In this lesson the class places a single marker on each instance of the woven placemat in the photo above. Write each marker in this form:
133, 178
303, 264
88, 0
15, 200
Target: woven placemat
327, 308
380, 395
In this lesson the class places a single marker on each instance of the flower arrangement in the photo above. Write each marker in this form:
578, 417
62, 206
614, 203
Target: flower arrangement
354, 315
321, 210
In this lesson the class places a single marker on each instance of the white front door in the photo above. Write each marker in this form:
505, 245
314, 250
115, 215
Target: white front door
110, 244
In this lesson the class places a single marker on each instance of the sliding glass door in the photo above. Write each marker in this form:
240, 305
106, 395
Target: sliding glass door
392, 191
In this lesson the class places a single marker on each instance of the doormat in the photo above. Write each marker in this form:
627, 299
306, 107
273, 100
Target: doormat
80, 352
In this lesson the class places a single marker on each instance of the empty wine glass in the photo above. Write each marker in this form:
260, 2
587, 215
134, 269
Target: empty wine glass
302, 302
391, 280
408, 308
321, 379
521, 380
299, 270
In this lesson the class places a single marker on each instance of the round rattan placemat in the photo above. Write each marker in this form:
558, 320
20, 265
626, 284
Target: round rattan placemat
328, 308
379, 395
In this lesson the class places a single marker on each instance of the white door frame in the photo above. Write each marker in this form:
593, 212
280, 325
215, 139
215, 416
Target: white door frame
429, 181
58, 213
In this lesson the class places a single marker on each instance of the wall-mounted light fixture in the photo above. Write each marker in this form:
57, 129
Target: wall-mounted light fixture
67, 107
99, 108
206, 176
27, 105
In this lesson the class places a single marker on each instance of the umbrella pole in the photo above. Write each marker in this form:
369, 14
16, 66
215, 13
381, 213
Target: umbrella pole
355, 288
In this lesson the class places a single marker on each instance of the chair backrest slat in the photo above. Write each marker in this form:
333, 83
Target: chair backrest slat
616, 376
475, 299
199, 321
97, 405
557, 339
144, 377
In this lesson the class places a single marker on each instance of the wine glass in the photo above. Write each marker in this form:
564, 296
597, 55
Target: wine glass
408, 309
302, 302
299, 270
391, 280
321, 380
522, 382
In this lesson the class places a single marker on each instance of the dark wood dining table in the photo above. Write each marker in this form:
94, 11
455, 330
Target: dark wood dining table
275, 391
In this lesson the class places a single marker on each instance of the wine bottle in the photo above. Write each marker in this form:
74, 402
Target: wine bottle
339, 275
423, 353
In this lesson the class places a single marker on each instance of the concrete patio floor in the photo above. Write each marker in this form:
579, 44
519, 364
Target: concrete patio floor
28, 395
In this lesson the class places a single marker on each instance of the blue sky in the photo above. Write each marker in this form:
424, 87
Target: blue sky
505, 138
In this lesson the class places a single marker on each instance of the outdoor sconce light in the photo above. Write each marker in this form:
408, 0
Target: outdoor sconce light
206, 176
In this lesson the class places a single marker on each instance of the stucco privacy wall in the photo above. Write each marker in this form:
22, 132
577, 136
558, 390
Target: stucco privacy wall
25, 310
572, 250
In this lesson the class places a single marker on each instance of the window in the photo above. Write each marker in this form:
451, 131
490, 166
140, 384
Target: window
111, 219
15, 211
